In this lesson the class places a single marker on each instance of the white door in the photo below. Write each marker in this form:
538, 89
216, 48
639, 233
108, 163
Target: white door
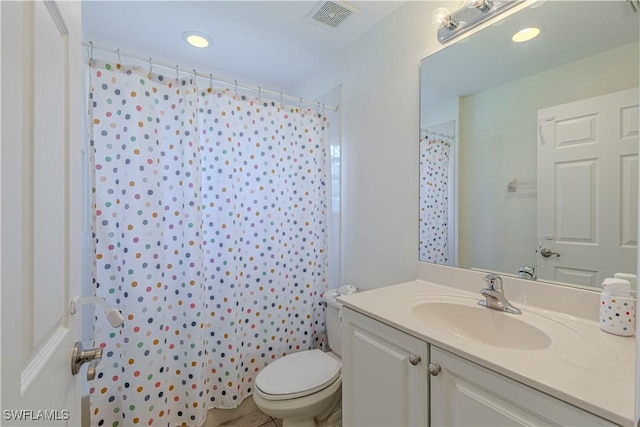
40, 210
588, 188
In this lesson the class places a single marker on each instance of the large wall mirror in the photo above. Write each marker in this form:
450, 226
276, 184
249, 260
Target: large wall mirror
529, 151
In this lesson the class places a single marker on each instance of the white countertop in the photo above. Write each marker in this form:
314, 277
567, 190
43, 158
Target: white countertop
587, 367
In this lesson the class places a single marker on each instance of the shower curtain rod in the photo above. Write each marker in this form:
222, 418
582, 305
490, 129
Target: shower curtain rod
441, 135
210, 77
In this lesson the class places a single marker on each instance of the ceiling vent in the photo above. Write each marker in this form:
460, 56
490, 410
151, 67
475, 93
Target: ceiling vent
331, 13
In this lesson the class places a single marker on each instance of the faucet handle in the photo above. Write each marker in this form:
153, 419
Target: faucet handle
494, 281
527, 272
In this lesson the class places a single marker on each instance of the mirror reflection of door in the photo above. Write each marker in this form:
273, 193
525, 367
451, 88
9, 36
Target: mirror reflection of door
587, 206
495, 103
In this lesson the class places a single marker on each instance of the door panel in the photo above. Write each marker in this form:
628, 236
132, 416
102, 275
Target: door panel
576, 131
629, 122
576, 276
576, 201
629, 202
48, 148
588, 188
41, 118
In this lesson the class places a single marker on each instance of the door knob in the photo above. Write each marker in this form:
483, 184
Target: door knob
545, 252
80, 356
434, 369
414, 359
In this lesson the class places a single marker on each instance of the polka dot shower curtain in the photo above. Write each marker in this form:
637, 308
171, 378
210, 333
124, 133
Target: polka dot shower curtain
210, 237
434, 200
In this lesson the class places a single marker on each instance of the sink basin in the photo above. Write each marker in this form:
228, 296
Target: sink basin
482, 325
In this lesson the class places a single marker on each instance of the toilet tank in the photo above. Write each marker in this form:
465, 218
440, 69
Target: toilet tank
332, 320
333, 317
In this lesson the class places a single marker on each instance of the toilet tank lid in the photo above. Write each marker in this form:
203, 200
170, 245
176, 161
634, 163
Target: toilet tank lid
331, 295
298, 372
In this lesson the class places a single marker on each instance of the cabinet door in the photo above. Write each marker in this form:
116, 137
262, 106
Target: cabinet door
466, 394
384, 374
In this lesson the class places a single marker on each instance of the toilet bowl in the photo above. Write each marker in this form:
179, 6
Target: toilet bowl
299, 388
305, 388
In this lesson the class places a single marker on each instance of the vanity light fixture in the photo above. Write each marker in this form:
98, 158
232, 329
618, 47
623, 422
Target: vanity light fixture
196, 39
526, 34
475, 12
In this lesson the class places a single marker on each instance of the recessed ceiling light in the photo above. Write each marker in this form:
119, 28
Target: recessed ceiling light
526, 34
196, 38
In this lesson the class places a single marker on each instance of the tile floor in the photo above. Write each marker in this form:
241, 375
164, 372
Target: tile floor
254, 419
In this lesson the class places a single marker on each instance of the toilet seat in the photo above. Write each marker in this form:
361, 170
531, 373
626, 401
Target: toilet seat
297, 375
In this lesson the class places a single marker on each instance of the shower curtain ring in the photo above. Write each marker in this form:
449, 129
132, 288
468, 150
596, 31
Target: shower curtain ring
236, 87
259, 94
281, 104
91, 51
119, 60
177, 76
211, 81
150, 67
195, 74
300, 103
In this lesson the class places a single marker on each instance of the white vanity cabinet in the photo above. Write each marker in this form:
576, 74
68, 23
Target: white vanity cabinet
466, 394
385, 380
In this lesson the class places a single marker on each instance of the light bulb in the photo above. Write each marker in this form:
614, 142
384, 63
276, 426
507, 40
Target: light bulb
442, 18
196, 39
526, 34
482, 5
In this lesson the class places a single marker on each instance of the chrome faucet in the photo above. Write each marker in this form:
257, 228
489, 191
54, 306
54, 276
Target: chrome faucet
494, 295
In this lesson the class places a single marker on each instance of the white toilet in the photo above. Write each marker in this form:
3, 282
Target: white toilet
304, 388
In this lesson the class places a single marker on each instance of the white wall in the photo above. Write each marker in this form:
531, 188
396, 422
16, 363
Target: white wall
441, 112
379, 74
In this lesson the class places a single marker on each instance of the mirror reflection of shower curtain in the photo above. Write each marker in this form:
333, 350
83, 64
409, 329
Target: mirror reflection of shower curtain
435, 181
